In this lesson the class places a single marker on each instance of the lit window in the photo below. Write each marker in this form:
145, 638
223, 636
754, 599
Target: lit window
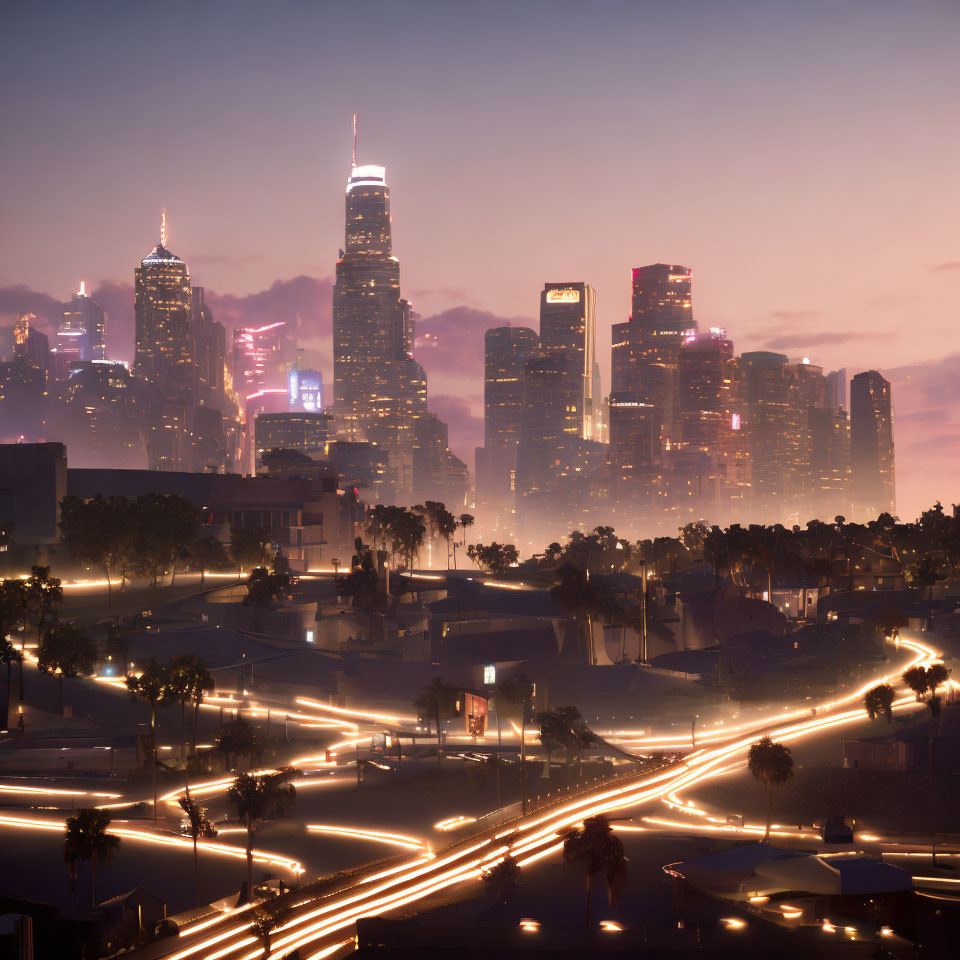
490, 674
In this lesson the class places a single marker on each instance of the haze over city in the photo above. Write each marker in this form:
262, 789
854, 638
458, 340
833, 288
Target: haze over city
796, 156
479, 480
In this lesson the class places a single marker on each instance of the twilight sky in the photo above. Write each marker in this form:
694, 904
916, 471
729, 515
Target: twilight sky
800, 156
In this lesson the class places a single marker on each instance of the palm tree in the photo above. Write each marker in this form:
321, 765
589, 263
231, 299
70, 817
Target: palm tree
772, 764
67, 652
199, 826
501, 880
917, 680
584, 600
597, 848
237, 739
189, 681
258, 798
87, 839
937, 673
465, 520
437, 702
879, 702
153, 686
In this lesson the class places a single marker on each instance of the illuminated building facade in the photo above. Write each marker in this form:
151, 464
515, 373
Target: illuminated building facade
82, 328
568, 319
871, 445
260, 355
305, 432
163, 305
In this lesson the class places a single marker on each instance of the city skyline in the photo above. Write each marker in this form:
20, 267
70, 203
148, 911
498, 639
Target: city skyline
788, 300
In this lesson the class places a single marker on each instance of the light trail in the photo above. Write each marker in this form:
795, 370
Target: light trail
362, 714
52, 792
537, 836
361, 833
145, 836
454, 823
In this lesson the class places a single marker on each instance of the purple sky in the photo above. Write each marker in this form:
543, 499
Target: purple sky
801, 157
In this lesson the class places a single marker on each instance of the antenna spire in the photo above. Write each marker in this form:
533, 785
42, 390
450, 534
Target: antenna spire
354, 140
163, 228
82, 292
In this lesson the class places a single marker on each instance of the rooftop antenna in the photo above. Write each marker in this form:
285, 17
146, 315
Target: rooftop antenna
163, 228
354, 140
82, 292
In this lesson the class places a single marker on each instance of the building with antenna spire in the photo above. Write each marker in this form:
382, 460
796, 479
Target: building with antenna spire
379, 389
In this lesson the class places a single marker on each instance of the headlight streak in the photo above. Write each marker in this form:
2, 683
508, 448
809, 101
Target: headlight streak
419, 878
397, 839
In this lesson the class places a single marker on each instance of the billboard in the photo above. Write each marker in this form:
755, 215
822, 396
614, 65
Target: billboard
563, 296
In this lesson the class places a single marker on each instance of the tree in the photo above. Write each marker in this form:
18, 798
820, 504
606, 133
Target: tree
584, 600
438, 702
879, 702
251, 546
408, 532
772, 764
66, 651
496, 558
597, 848
501, 880
265, 590
937, 673
445, 523
208, 553
189, 681
237, 739
199, 826
153, 686
44, 595
259, 798
924, 573
95, 531
87, 839
115, 643
13, 611
917, 680
465, 520
9, 655
562, 728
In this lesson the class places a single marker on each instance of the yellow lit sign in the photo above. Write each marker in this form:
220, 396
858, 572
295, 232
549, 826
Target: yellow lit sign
563, 296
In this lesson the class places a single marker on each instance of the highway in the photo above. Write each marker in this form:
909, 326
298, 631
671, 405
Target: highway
318, 921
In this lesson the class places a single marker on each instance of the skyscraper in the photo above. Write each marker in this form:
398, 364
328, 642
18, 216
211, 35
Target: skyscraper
646, 348
85, 315
568, 328
163, 308
871, 446
369, 321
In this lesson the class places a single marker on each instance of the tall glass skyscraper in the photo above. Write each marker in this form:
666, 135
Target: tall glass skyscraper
163, 305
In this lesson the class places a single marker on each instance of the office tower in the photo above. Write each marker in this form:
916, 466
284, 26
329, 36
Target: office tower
438, 474
568, 329
30, 345
837, 381
371, 327
304, 432
84, 320
209, 349
871, 446
711, 419
777, 418
646, 348
163, 305
634, 440
829, 463
506, 352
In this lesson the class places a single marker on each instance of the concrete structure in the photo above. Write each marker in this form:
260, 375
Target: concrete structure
33, 481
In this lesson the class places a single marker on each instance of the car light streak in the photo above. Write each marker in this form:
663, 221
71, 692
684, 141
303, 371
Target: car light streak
361, 833
538, 836
454, 823
363, 714
52, 792
169, 840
